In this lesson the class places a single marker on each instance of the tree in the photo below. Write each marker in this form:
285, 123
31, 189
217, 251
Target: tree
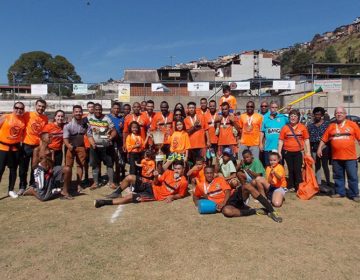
301, 59
330, 55
40, 67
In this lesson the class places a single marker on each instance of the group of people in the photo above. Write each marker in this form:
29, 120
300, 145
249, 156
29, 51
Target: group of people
224, 155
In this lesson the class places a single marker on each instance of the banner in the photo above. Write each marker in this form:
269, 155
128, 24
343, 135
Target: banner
202, 86
329, 85
240, 85
157, 87
80, 88
284, 85
39, 89
124, 92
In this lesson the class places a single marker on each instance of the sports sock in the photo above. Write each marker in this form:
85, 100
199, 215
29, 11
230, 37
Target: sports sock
247, 212
265, 203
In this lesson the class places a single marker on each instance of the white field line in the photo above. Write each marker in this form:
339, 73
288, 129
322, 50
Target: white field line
116, 214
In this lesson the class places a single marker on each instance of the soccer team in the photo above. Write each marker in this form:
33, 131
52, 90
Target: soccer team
221, 153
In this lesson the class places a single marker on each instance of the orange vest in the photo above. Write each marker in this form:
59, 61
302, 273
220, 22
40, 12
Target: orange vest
11, 132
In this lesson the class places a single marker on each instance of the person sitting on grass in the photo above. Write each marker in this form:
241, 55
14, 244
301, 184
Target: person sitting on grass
275, 182
169, 186
225, 168
196, 173
249, 168
147, 166
218, 190
47, 177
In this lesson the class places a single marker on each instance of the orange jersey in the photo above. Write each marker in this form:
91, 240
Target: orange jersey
215, 191
210, 120
148, 167
199, 175
11, 132
179, 142
197, 139
169, 186
131, 141
231, 100
290, 143
34, 126
279, 170
226, 135
342, 140
142, 120
57, 136
251, 127
164, 124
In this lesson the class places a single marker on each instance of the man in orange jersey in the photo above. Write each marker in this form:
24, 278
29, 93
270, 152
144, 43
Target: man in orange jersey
163, 121
203, 107
197, 129
138, 117
210, 117
250, 124
12, 129
230, 99
35, 122
226, 128
342, 136
169, 186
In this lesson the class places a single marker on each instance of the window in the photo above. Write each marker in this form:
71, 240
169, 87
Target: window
348, 98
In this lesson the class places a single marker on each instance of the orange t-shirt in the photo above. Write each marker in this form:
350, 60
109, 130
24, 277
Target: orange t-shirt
34, 126
131, 141
210, 120
279, 170
169, 186
251, 127
215, 191
226, 135
142, 120
342, 140
290, 143
231, 100
197, 139
57, 136
148, 167
164, 124
179, 142
199, 175
12, 131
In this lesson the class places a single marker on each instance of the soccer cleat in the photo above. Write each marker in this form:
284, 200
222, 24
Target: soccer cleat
99, 203
275, 216
261, 211
13, 194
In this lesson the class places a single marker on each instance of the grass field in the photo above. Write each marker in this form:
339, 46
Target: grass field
318, 239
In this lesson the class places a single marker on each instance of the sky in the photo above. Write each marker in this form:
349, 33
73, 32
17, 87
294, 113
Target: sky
101, 38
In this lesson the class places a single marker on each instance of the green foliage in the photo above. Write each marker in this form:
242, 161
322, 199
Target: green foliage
40, 67
330, 55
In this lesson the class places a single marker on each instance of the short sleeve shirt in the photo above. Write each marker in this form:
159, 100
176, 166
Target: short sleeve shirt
316, 132
250, 125
271, 128
197, 139
227, 168
279, 170
256, 166
74, 132
169, 186
99, 129
215, 191
290, 143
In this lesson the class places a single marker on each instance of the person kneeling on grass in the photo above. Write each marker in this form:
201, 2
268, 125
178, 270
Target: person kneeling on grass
275, 182
218, 190
169, 186
224, 167
47, 177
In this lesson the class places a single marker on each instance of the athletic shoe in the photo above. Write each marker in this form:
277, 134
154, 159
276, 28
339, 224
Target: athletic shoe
99, 203
20, 192
275, 216
261, 211
337, 196
356, 199
115, 194
13, 194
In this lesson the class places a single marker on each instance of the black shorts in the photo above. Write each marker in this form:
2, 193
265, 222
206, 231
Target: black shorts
142, 191
236, 200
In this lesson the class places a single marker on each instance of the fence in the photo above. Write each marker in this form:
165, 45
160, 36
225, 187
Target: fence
61, 96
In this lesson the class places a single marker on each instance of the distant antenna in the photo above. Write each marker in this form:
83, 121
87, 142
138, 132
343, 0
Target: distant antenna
171, 60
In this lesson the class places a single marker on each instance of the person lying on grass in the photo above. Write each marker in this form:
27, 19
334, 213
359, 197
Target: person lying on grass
169, 186
275, 183
219, 191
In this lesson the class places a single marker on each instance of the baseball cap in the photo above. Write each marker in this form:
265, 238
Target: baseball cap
227, 151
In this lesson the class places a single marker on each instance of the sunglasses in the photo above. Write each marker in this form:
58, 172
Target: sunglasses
249, 106
264, 106
178, 115
19, 108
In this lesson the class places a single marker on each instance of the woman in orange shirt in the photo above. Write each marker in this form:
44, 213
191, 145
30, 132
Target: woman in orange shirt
135, 146
55, 129
294, 140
